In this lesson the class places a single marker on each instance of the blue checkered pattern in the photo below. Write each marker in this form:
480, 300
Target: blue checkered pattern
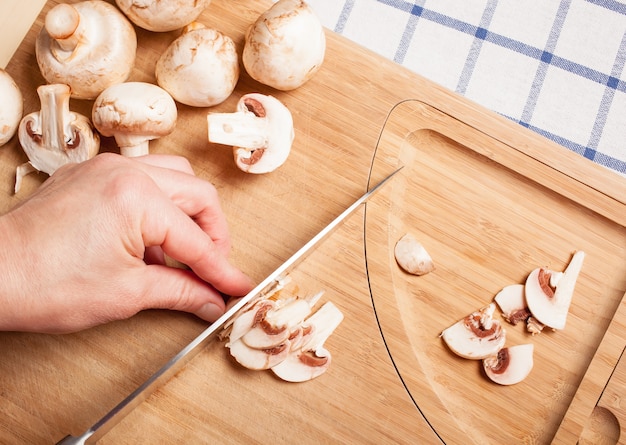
554, 66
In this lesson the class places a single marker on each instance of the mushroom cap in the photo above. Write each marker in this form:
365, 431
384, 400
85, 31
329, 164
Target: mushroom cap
162, 15
510, 365
285, 46
133, 112
280, 135
200, 68
103, 52
11, 107
476, 336
411, 256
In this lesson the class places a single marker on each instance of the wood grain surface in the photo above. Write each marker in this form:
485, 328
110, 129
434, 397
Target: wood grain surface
51, 386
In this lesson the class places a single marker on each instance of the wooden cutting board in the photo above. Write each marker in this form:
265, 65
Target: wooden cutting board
349, 130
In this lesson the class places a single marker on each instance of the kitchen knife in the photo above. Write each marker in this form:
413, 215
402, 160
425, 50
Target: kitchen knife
177, 362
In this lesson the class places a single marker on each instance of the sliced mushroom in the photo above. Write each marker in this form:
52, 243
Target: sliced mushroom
549, 299
411, 256
476, 336
510, 365
286, 45
134, 113
260, 131
162, 15
88, 45
200, 68
311, 360
512, 303
55, 136
11, 107
258, 359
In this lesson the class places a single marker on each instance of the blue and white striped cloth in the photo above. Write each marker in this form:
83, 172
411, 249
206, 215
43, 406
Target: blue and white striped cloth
554, 66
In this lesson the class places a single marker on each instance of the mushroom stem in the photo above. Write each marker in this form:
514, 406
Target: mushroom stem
55, 116
241, 128
140, 149
62, 23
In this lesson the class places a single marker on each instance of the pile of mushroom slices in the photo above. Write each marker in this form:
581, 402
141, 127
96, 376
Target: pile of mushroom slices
285, 334
542, 301
89, 49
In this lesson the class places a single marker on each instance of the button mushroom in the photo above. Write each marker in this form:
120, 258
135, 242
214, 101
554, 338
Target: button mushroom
285, 47
134, 113
510, 365
476, 336
311, 360
548, 298
11, 108
89, 45
260, 131
200, 68
55, 136
162, 15
411, 256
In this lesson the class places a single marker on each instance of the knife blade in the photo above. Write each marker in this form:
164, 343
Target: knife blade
115, 415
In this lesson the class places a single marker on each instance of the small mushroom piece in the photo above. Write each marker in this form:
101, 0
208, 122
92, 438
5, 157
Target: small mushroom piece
55, 136
200, 68
134, 113
11, 108
311, 360
476, 336
162, 15
260, 131
512, 303
285, 46
412, 256
549, 301
510, 365
88, 45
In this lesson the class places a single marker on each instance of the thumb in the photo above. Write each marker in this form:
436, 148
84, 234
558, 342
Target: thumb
180, 290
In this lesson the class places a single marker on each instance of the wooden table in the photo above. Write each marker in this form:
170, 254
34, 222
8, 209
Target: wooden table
352, 119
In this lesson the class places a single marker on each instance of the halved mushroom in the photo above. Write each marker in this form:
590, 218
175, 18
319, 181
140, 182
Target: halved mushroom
260, 131
411, 256
476, 336
55, 136
88, 45
311, 360
200, 68
162, 15
134, 113
285, 46
11, 108
549, 299
512, 303
510, 365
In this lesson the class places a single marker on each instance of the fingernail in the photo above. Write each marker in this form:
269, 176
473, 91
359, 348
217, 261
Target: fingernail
210, 312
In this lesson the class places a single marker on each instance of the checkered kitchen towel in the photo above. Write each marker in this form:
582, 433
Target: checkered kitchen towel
554, 66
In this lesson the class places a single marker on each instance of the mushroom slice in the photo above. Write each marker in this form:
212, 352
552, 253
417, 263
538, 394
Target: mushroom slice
260, 131
285, 46
55, 136
162, 15
11, 108
512, 303
311, 360
412, 256
258, 359
88, 45
510, 365
549, 299
476, 336
134, 113
200, 68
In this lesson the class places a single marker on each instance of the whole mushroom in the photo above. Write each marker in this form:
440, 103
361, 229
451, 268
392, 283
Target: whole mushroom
88, 45
162, 15
55, 136
134, 113
260, 131
286, 45
200, 68
11, 107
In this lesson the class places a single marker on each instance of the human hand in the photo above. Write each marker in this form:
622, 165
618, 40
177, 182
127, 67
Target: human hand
87, 247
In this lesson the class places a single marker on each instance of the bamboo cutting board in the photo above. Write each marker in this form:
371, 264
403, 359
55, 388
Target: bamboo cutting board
467, 172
